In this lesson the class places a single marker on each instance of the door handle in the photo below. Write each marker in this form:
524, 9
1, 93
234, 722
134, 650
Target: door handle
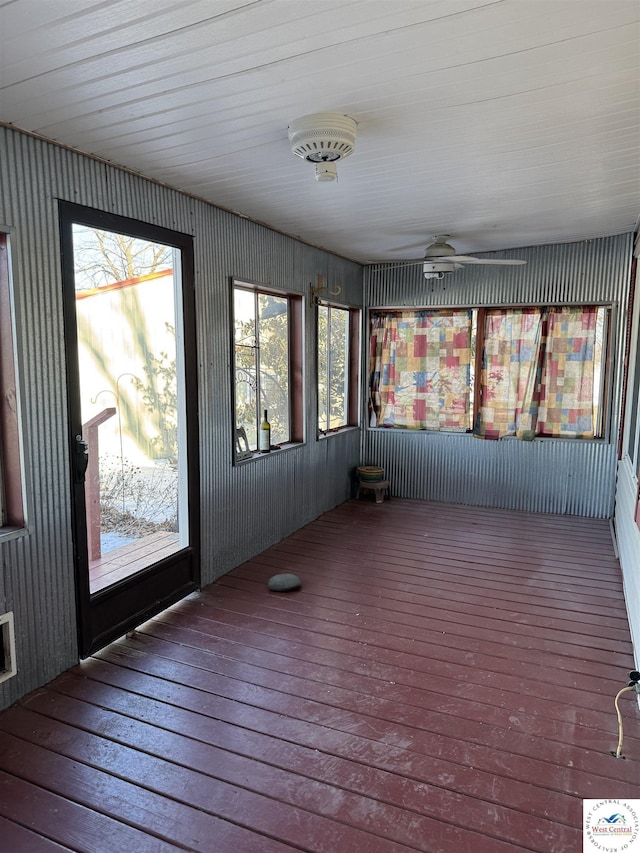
80, 458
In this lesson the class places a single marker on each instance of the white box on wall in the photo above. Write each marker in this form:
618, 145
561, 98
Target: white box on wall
8, 639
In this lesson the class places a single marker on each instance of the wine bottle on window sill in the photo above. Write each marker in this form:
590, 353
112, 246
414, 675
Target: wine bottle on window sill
264, 435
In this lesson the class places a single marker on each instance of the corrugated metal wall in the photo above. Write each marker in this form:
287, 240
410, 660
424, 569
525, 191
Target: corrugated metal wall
585, 272
576, 478
563, 476
243, 508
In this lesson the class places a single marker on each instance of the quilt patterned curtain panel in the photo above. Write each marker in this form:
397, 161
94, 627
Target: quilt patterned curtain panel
537, 375
420, 368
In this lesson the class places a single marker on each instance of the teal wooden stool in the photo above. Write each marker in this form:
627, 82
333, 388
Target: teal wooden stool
380, 488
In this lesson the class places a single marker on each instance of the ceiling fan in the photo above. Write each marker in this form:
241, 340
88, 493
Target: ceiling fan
440, 258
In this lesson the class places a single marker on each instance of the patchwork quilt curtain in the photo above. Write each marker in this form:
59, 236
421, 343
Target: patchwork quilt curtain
566, 384
510, 374
420, 367
538, 373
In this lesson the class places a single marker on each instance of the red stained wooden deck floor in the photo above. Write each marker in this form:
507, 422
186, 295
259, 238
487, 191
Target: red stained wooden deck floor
443, 681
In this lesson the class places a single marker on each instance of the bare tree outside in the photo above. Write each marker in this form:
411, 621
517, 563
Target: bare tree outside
105, 257
261, 337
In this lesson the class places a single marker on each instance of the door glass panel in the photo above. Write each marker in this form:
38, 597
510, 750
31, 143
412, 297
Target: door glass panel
132, 405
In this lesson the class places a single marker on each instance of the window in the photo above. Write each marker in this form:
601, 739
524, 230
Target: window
523, 371
337, 367
267, 366
420, 367
11, 497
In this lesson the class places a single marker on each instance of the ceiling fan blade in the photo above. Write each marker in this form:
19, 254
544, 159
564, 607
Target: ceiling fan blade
396, 265
457, 260
466, 259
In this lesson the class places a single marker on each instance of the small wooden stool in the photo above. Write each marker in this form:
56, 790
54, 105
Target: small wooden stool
378, 487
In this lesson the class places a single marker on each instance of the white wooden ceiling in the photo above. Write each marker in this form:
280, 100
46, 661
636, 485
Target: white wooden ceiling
504, 123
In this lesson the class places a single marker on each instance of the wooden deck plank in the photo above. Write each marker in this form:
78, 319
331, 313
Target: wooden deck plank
83, 781
518, 527
448, 516
17, 838
449, 680
451, 636
412, 526
471, 624
435, 593
133, 551
72, 825
550, 558
546, 767
447, 715
488, 568
315, 763
442, 682
396, 551
241, 805
427, 729
221, 768
231, 593
414, 576
100, 779
456, 607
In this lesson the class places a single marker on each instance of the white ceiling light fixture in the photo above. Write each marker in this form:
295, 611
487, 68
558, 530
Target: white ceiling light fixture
323, 139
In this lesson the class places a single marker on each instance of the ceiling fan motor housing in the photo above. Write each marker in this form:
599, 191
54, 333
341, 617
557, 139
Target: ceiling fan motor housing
435, 258
323, 139
441, 258
437, 269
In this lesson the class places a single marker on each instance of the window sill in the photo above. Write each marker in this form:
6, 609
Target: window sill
8, 533
329, 434
420, 431
275, 451
599, 438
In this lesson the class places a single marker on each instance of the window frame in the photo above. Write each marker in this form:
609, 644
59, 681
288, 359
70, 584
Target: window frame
13, 519
295, 363
607, 360
352, 360
631, 400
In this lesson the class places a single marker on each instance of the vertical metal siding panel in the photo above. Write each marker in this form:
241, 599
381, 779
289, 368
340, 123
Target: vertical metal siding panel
38, 568
544, 476
588, 271
243, 509
215, 454
48, 584
548, 476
